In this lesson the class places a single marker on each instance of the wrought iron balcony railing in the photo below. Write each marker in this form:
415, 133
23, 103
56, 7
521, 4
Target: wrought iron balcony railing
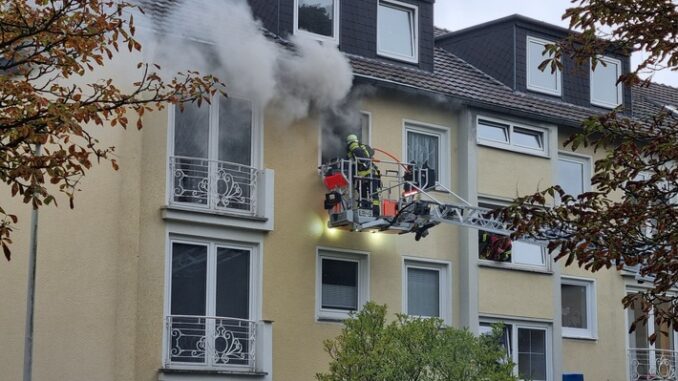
213, 185
652, 364
206, 342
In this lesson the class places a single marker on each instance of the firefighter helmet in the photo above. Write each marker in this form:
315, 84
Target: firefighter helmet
351, 138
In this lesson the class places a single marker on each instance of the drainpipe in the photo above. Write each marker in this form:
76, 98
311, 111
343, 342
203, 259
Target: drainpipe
30, 294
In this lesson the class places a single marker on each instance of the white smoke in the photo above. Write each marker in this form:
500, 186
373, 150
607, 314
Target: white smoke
308, 77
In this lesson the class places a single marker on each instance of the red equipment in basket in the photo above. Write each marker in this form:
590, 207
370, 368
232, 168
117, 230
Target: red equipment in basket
336, 180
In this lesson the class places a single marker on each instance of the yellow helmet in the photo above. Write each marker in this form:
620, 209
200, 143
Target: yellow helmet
351, 138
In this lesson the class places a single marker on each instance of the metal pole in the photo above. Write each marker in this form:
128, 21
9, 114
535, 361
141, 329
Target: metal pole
30, 294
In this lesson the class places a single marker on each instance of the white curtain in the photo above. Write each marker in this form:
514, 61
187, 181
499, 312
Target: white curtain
423, 148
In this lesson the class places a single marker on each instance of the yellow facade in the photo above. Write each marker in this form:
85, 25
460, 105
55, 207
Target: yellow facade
102, 270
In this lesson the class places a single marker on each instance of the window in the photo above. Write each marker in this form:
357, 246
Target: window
529, 347
212, 156
510, 136
651, 361
209, 304
397, 30
578, 306
317, 18
574, 174
537, 80
497, 132
605, 91
428, 147
500, 250
334, 131
342, 283
426, 291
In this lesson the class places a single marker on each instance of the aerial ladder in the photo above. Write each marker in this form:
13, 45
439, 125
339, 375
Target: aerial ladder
407, 198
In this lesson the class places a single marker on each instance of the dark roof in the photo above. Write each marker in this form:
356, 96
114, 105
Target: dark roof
437, 31
514, 18
455, 78
524, 21
650, 100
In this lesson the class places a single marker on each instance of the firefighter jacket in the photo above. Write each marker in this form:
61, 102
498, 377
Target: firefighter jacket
362, 154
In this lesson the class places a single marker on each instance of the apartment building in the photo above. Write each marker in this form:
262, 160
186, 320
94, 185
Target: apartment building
207, 255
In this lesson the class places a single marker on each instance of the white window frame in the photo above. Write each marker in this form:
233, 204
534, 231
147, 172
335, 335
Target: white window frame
443, 135
650, 326
510, 145
369, 136
591, 309
320, 37
534, 325
415, 32
256, 148
212, 245
359, 257
444, 269
586, 162
545, 268
607, 60
535, 66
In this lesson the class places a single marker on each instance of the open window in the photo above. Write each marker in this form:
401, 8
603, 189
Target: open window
500, 250
318, 19
335, 129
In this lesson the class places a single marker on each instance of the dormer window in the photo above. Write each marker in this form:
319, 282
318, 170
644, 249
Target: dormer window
545, 81
317, 18
605, 91
397, 35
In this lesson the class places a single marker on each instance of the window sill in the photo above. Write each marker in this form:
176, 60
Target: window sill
513, 267
207, 372
208, 217
605, 105
544, 91
318, 37
403, 59
328, 316
582, 338
511, 148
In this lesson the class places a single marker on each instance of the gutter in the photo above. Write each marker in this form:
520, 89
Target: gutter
469, 102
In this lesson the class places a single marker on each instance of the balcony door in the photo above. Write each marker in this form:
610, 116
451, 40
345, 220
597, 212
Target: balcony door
210, 305
212, 155
651, 361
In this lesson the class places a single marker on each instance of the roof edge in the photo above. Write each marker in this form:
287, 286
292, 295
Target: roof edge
516, 17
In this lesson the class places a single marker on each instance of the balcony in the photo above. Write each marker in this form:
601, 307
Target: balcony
652, 364
218, 345
241, 194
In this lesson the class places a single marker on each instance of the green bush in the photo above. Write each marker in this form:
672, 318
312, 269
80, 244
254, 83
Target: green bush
410, 349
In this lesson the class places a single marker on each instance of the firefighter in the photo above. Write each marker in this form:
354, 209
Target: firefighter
369, 180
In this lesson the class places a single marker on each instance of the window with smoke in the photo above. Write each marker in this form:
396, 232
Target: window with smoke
336, 126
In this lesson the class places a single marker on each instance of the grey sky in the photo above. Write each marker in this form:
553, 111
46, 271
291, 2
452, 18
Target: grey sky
458, 14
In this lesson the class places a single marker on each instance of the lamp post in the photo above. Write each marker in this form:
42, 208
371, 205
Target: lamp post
30, 294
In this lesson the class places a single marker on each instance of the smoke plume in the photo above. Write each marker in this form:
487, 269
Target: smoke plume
223, 38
